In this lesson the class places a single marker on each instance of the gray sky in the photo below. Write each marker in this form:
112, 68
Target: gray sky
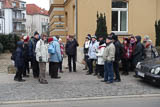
40, 3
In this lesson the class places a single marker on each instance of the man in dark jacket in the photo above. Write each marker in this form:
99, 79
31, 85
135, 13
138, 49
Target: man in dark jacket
71, 51
118, 54
19, 62
138, 52
32, 54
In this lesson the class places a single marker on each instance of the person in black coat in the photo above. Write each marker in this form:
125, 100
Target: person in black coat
118, 55
19, 62
138, 52
32, 55
71, 51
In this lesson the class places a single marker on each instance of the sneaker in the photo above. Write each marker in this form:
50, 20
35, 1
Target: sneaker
85, 69
21, 80
103, 81
26, 76
117, 80
108, 82
89, 74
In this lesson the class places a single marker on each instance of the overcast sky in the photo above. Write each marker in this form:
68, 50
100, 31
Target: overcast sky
40, 3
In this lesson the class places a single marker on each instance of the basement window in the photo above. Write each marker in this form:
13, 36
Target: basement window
120, 17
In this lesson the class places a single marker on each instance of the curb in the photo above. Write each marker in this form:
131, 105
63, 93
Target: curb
77, 99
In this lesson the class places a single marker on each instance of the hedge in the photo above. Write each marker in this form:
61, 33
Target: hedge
9, 42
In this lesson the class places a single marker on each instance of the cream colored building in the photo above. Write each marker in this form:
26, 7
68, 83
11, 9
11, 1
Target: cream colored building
124, 17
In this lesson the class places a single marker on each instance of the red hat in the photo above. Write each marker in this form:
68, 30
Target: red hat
50, 39
26, 38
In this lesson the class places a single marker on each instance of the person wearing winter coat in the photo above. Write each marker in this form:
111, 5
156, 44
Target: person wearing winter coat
71, 51
85, 51
127, 54
100, 61
50, 40
62, 53
32, 55
92, 54
138, 52
19, 62
55, 57
118, 55
26, 56
42, 58
109, 58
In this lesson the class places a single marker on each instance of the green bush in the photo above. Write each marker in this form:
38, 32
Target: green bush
9, 42
101, 30
1, 48
157, 28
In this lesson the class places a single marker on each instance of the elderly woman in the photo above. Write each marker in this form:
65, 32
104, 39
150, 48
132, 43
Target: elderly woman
42, 58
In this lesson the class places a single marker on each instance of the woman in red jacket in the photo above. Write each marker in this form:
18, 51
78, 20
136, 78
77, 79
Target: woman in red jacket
127, 54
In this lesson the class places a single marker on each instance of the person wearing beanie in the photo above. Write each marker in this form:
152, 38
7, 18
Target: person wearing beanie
32, 55
26, 56
92, 54
118, 55
109, 58
85, 51
62, 54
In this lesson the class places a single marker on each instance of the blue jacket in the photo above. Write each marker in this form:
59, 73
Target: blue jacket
55, 57
19, 55
93, 49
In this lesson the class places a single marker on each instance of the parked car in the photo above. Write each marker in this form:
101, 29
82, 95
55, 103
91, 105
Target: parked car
149, 70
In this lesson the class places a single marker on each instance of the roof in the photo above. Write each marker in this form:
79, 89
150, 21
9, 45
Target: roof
33, 9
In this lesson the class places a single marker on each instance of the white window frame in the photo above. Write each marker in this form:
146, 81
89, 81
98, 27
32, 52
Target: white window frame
119, 20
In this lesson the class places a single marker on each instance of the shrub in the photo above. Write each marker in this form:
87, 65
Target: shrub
1, 48
9, 42
101, 26
157, 28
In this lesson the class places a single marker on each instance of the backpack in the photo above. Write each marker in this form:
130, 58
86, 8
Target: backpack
51, 48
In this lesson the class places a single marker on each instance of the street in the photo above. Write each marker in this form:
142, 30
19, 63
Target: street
117, 102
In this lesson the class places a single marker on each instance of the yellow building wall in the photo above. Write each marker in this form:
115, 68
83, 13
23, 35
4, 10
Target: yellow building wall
142, 17
70, 17
58, 1
87, 17
158, 9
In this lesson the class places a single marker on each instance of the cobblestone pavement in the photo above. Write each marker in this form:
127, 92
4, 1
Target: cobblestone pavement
71, 85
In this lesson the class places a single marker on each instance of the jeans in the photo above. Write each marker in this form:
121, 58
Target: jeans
42, 66
35, 68
90, 65
108, 71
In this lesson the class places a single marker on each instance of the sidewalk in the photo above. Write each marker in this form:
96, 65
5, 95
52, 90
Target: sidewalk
71, 85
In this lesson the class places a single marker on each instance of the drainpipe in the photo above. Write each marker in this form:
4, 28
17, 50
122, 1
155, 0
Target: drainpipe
76, 19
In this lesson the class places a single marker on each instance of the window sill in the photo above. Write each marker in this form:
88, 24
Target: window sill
121, 33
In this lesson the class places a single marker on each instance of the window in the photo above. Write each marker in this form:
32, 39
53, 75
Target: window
14, 4
0, 27
120, 17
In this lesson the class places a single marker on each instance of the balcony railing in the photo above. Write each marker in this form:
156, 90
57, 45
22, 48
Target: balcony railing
18, 31
19, 20
19, 8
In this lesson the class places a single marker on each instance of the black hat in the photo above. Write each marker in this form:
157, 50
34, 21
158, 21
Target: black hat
36, 33
109, 38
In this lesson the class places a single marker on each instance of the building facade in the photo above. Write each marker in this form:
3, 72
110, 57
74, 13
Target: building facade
37, 20
12, 17
124, 17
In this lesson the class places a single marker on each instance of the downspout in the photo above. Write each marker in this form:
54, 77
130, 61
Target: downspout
76, 19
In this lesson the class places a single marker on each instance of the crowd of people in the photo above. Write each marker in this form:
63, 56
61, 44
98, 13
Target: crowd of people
102, 56
40, 50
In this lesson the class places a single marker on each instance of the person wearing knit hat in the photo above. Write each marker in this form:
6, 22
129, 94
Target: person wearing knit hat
50, 39
32, 55
118, 55
26, 56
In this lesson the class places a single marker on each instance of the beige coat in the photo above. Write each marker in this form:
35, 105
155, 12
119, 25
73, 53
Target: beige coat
109, 53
